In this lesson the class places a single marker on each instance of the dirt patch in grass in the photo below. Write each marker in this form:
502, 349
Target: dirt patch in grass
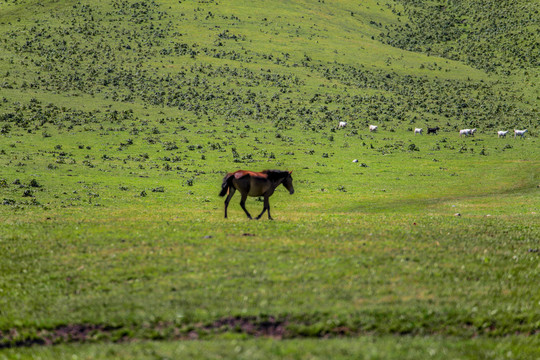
82, 333
62, 334
252, 326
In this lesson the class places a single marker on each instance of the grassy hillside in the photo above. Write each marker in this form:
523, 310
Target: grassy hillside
118, 120
305, 63
490, 35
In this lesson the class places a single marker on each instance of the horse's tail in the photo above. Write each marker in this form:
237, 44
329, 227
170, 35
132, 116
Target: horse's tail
227, 182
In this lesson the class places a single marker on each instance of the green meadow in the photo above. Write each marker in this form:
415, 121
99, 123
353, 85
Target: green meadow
119, 119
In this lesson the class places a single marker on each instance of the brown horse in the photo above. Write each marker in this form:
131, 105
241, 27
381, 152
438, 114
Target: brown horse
251, 183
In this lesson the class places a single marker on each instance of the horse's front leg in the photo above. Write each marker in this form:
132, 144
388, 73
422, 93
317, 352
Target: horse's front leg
243, 204
265, 207
267, 204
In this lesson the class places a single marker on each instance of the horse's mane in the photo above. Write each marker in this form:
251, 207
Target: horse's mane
275, 174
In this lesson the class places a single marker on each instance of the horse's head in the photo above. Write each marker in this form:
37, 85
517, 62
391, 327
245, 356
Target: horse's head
287, 182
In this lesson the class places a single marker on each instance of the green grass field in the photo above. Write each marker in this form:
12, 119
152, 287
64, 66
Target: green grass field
119, 119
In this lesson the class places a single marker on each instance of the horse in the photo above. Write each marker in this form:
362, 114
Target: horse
251, 183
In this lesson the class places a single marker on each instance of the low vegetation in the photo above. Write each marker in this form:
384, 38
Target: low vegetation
119, 119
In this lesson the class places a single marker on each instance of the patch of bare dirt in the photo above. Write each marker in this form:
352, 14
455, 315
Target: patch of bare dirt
81, 333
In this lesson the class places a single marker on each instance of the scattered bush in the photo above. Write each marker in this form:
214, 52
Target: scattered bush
28, 193
413, 147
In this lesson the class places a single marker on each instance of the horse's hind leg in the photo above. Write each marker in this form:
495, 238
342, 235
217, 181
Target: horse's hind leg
243, 204
228, 199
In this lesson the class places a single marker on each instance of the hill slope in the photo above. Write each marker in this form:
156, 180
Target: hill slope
306, 62
490, 35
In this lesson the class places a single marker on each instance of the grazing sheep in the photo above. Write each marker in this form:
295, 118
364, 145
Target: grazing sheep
465, 132
473, 131
519, 133
373, 128
342, 124
417, 131
502, 133
433, 130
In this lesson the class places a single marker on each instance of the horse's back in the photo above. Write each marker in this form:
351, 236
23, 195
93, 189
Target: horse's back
251, 182
246, 173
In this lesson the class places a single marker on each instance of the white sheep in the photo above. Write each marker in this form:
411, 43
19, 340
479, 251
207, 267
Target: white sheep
502, 133
519, 133
373, 128
417, 131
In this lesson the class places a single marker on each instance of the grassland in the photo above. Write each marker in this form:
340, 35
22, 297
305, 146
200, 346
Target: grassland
118, 120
